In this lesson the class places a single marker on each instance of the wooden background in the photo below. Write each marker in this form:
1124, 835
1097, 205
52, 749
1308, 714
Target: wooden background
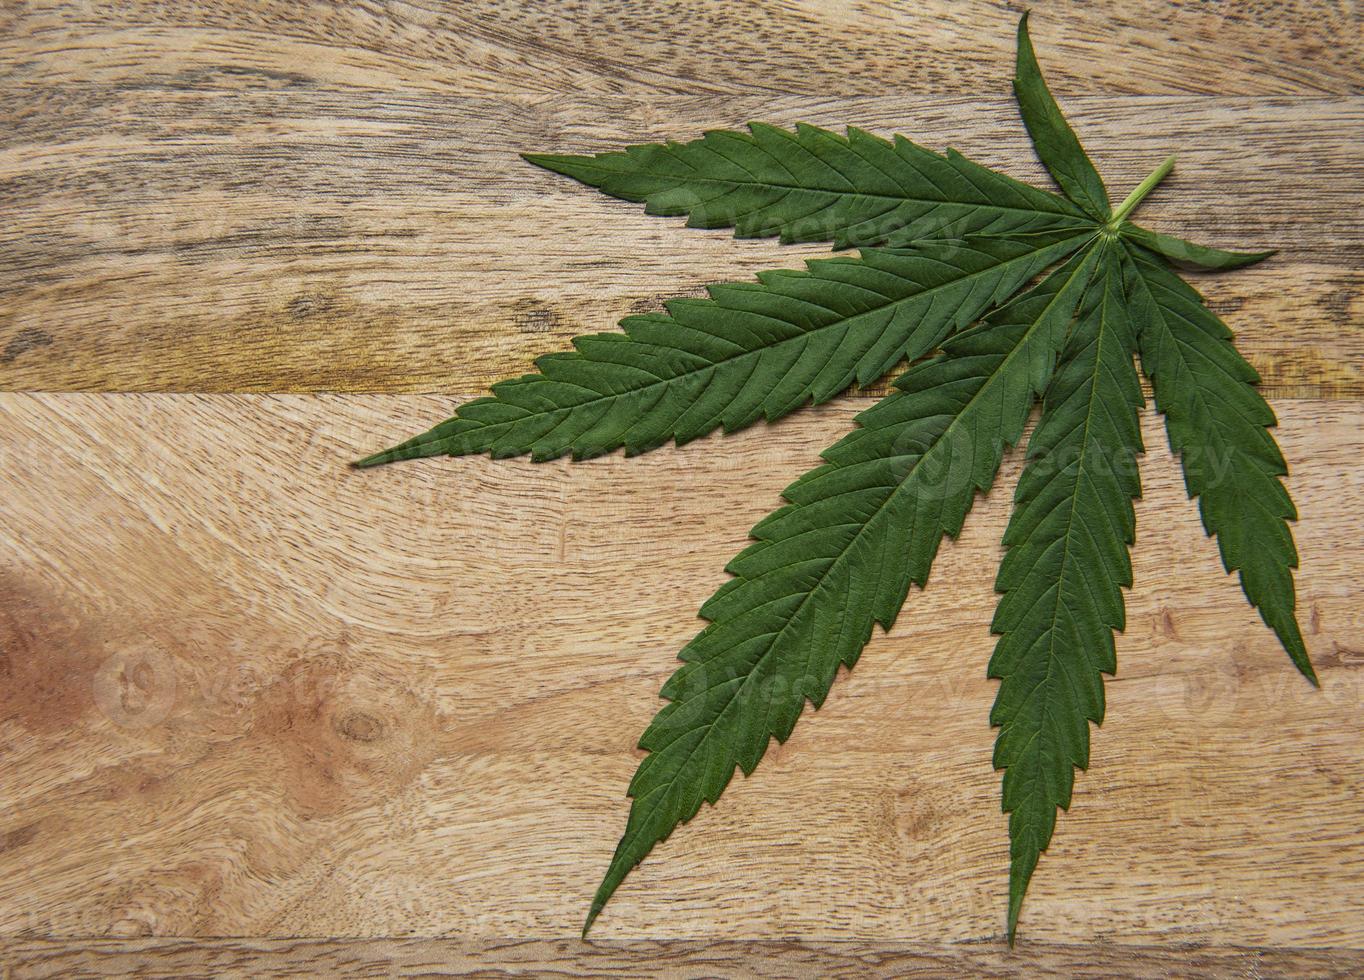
261, 713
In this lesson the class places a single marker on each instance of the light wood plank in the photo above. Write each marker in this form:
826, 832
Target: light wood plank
185, 960
246, 691
360, 255
249, 692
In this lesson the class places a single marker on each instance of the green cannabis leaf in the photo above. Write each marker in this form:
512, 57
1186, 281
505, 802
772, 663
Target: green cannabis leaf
998, 294
752, 350
1061, 578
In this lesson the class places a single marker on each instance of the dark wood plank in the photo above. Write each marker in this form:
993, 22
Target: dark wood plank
696, 47
237, 233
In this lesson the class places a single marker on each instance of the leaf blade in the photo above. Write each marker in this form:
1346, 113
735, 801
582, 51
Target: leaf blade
839, 558
1056, 144
1192, 255
1062, 576
1219, 426
854, 190
753, 350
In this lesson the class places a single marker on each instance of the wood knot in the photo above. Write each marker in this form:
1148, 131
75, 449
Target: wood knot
360, 727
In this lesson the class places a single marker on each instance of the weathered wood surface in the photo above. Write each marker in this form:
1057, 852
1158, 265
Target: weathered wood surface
247, 692
211, 958
192, 209
250, 692
357, 254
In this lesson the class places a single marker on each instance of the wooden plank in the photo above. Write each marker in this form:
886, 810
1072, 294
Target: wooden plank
245, 691
696, 46
178, 959
249, 692
230, 234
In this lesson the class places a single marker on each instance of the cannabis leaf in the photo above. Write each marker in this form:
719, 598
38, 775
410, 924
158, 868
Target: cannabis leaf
1219, 425
857, 532
1057, 145
998, 293
752, 350
813, 185
1062, 576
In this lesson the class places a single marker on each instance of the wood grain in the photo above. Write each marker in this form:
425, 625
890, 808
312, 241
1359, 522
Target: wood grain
247, 692
272, 226
187, 960
250, 692
697, 47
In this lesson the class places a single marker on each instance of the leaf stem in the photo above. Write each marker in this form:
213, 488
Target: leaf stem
1139, 192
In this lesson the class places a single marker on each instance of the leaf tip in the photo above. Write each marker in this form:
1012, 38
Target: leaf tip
559, 163
1306, 669
1246, 259
1015, 906
375, 459
1290, 638
1025, 50
591, 917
